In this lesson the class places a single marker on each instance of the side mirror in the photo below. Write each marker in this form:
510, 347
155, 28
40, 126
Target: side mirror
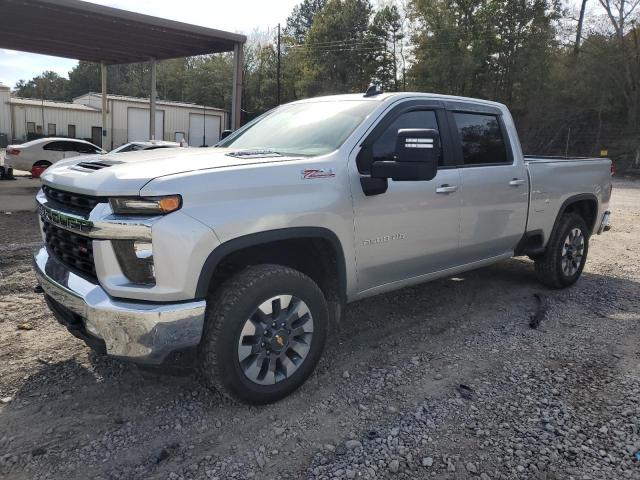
225, 134
416, 157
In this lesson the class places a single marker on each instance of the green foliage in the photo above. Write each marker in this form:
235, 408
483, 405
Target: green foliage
337, 57
565, 98
49, 85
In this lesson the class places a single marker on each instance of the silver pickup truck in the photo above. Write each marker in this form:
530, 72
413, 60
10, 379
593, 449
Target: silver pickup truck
240, 257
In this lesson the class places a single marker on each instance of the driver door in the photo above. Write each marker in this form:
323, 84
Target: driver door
413, 228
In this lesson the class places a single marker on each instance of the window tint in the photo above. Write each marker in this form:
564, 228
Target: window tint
481, 138
55, 146
385, 146
84, 148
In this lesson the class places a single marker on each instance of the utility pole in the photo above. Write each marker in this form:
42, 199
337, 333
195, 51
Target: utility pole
278, 68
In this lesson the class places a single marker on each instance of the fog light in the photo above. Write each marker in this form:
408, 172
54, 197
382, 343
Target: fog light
136, 260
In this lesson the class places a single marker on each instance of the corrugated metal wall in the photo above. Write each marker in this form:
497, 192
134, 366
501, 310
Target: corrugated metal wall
62, 118
5, 111
176, 119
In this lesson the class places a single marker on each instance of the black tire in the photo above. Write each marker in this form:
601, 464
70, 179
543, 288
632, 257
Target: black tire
549, 266
231, 305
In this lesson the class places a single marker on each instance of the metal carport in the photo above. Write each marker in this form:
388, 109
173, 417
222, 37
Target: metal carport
110, 36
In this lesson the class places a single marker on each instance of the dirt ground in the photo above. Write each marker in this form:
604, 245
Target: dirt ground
443, 380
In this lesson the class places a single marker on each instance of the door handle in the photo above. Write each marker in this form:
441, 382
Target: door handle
516, 182
446, 188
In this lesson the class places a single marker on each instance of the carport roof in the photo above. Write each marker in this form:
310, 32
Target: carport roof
95, 33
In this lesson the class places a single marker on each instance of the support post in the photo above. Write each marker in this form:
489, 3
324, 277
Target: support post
152, 101
236, 97
278, 68
103, 72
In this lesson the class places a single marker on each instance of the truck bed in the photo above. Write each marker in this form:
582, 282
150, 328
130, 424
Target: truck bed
553, 180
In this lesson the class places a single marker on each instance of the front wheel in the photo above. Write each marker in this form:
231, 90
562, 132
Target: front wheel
264, 333
562, 263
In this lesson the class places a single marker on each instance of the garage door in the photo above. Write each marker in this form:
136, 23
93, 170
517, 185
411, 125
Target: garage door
207, 127
138, 124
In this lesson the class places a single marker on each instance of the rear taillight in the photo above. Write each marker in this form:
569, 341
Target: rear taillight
13, 151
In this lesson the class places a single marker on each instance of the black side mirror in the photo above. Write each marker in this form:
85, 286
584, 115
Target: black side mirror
416, 157
225, 134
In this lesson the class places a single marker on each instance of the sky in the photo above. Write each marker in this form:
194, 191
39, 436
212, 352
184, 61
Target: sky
243, 16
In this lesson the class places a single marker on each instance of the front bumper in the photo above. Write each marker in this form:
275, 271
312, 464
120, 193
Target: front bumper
144, 332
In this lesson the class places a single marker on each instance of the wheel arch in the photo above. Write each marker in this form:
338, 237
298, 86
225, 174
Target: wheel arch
297, 247
584, 204
534, 243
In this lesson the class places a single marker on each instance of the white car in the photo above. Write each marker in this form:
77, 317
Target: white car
47, 151
149, 145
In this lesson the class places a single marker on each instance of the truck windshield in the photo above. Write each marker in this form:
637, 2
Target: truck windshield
308, 129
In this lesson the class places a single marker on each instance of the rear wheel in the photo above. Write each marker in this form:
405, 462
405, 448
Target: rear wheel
264, 333
562, 263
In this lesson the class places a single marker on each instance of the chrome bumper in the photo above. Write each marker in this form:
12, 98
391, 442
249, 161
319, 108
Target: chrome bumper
143, 332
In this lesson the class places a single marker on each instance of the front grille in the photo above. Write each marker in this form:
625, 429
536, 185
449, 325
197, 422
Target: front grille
77, 202
75, 251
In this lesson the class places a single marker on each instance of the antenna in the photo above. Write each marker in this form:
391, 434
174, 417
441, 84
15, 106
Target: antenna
372, 91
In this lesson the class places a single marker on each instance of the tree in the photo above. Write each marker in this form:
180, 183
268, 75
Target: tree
619, 12
576, 47
338, 48
386, 28
301, 19
48, 86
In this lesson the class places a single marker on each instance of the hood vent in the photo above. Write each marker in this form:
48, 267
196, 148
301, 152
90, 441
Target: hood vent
94, 165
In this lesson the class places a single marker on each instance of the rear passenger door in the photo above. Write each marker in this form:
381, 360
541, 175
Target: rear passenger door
494, 185
54, 151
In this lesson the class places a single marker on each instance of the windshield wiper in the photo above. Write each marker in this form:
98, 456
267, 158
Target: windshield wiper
256, 152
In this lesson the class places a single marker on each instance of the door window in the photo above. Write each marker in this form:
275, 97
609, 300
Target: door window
385, 146
55, 146
481, 138
84, 148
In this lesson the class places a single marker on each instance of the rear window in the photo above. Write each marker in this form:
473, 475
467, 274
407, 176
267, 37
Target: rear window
481, 138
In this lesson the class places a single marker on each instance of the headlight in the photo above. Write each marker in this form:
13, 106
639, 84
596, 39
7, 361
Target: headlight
145, 205
136, 260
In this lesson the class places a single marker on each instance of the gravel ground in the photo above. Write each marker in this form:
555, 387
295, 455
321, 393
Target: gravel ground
445, 380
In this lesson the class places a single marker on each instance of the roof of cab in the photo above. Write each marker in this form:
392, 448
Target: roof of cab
390, 96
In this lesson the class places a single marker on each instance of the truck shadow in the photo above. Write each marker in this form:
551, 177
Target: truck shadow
71, 403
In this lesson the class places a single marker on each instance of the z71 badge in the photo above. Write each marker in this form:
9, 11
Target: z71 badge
312, 173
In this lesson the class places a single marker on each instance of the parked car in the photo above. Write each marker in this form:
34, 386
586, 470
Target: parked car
149, 145
47, 151
242, 257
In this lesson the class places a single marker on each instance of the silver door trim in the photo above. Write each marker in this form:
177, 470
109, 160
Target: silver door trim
387, 287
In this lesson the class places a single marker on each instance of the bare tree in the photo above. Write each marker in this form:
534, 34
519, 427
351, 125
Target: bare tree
576, 47
619, 11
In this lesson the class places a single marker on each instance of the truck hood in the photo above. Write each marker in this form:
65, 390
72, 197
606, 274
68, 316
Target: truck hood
127, 173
